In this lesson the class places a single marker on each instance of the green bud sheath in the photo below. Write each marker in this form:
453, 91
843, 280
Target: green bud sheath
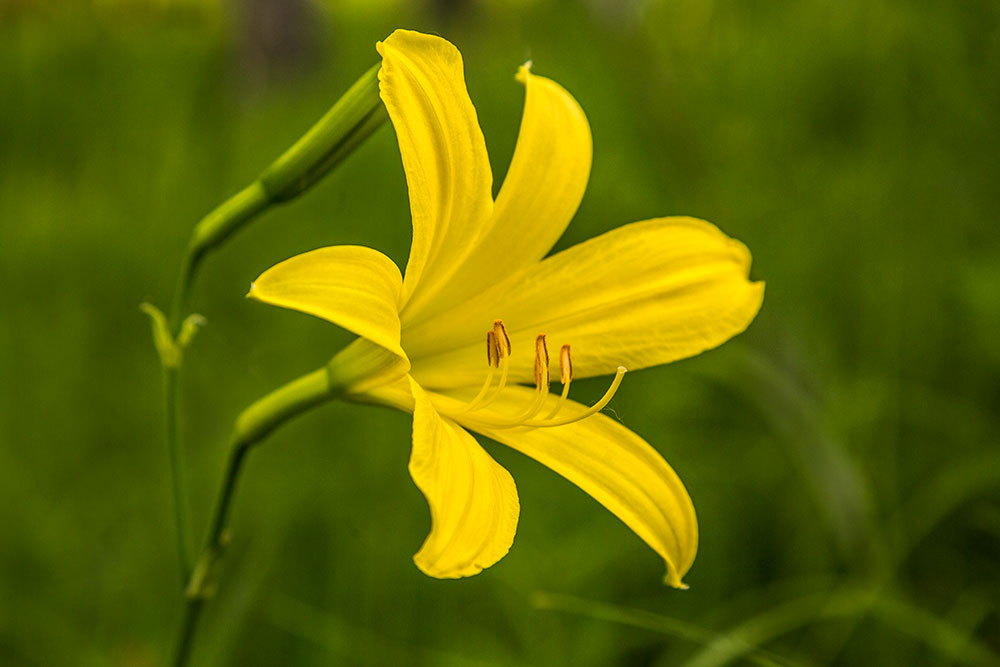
345, 126
342, 129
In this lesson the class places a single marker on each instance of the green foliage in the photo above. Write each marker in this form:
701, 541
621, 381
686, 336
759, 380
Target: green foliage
842, 454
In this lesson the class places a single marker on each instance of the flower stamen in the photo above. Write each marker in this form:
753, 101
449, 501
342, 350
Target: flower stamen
592, 410
541, 388
492, 361
492, 350
502, 341
498, 356
541, 363
565, 377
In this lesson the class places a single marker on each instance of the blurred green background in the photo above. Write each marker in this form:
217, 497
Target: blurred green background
843, 454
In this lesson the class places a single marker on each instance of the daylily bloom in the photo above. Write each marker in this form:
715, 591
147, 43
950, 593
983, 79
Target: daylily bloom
641, 295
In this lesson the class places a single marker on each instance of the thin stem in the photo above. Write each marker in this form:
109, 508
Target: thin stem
253, 425
354, 117
185, 640
338, 133
182, 289
210, 231
182, 513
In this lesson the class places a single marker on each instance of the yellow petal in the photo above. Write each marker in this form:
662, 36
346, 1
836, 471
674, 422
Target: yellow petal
641, 295
540, 194
444, 156
352, 286
615, 466
611, 463
473, 500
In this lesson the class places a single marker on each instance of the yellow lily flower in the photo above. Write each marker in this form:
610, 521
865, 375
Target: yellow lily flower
644, 294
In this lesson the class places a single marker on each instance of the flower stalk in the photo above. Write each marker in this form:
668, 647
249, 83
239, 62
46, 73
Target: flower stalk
355, 116
348, 123
252, 425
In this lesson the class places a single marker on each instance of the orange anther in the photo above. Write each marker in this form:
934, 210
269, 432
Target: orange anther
492, 350
565, 365
503, 340
541, 362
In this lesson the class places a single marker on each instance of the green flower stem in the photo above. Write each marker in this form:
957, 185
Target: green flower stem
182, 513
253, 425
355, 116
209, 233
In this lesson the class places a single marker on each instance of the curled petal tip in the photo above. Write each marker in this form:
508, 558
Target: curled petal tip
673, 580
523, 71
